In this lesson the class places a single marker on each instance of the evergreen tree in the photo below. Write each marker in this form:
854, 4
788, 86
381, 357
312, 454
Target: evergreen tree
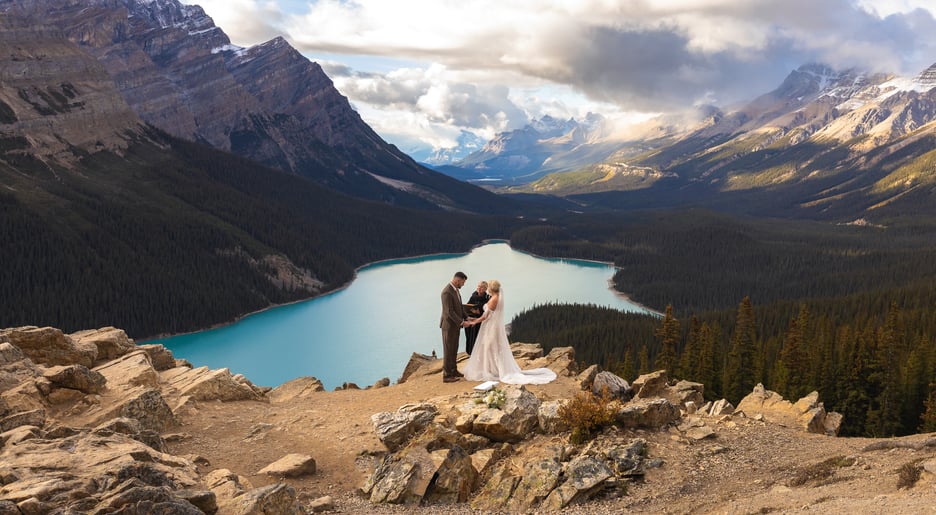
628, 369
668, 336
928, 418
690, 362
739, 372
643, 361
792, 367
708, 361
884, 416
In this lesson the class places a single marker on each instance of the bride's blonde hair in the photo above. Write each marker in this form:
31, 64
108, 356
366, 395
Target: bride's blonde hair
494, 285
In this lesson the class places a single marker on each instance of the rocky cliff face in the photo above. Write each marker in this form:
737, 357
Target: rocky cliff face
51, 92
179, 72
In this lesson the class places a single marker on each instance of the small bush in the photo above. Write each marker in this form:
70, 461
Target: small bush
585, 414
908, 474
821, 472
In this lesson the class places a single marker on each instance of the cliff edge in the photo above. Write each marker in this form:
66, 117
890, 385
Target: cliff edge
90, 422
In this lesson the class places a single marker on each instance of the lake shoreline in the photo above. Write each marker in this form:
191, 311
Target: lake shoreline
345, 285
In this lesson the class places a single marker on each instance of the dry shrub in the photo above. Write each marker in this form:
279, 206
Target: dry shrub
585, 414
908, 474
822, 472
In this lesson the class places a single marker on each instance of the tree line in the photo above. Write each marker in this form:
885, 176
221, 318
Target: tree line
876, 368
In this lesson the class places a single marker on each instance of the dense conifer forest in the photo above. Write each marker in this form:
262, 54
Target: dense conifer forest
170, 238
798, 306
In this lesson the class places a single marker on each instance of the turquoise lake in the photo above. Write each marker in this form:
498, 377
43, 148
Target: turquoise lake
369, 329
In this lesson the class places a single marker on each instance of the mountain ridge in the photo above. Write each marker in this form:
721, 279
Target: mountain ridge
823, 144
180, 73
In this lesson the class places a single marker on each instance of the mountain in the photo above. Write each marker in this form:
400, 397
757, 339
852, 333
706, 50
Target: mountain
825, 143
466, 143
180, 73
106, 219
543, 145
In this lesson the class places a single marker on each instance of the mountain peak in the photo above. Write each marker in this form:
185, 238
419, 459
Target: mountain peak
927, 77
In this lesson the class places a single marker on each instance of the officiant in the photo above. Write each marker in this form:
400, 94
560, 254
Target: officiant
474, 309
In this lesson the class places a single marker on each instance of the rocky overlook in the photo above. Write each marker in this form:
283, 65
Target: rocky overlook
90, 422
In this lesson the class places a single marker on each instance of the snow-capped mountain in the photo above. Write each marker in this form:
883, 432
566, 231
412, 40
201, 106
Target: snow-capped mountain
544, 145
825, 141
467, 143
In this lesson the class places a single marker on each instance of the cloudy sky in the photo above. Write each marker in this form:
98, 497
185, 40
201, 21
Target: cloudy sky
421, 71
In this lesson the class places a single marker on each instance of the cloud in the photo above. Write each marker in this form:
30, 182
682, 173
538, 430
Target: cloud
246, 22
476, 58
436, 95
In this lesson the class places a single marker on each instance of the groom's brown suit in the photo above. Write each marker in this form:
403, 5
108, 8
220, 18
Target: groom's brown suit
453, 315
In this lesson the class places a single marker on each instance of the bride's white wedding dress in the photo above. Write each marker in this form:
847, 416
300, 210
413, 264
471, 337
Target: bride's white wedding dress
491, 359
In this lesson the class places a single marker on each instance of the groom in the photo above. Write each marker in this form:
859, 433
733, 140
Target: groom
453, 319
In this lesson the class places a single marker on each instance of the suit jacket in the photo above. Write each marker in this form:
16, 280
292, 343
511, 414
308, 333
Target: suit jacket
453, 312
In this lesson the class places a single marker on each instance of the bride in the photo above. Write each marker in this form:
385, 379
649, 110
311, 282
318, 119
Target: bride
491, 359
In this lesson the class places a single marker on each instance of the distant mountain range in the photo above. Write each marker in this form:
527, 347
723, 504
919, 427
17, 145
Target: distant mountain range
825, 143
180, 73
520, 156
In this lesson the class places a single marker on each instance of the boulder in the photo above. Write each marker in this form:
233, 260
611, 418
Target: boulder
628, 460
540, 477
279, 498
395, 428
204, 384
160, 356
688, 391
607, 384
700, 433
49, 346
560, 360
146, 406
654, 413
548, 417
134, 429
76, 377
455, 477
10, 353
496, 491
291, 465
721, 407
325, 503
381, 383
585, 476
131, 370
36, 417
433, 466
299, 388
526, 350
416, 362
514, 421
650, 385
587, 378
110, 342
91, 473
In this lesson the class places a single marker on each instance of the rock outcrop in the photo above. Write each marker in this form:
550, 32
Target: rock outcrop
80, 439
807, 413
77, 439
